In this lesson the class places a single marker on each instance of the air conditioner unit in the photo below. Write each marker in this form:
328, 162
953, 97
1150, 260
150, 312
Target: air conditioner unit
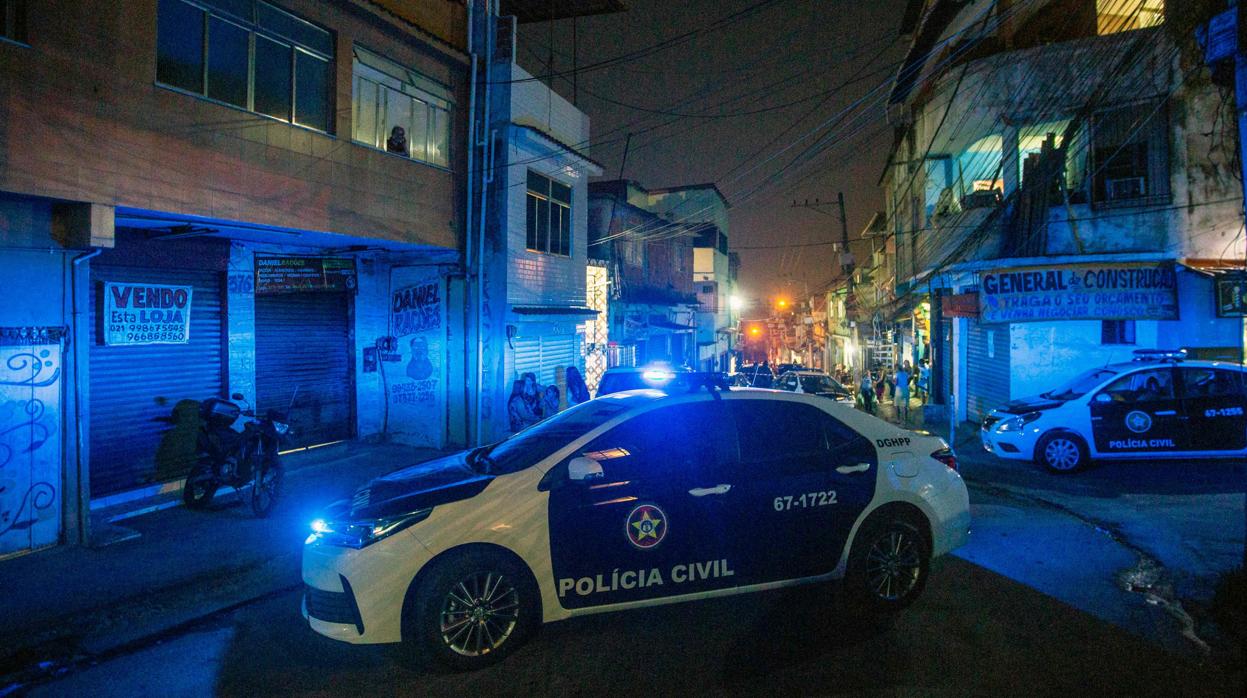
1125, 188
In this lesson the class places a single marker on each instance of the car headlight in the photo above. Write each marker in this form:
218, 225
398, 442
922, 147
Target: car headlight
363, 532
1018, 422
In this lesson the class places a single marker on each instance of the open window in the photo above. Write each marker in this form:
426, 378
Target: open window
1130, 155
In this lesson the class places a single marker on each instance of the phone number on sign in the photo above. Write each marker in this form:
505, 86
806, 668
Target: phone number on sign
165, 336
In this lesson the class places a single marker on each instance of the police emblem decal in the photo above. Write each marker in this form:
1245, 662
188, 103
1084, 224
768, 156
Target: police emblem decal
646, 526
1138, 422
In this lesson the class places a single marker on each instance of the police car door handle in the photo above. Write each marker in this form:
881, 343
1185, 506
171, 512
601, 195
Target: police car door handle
1166, 413
850, 469
703, 491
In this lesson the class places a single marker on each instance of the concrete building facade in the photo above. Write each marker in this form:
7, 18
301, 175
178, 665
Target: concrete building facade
1066, 141
206, 198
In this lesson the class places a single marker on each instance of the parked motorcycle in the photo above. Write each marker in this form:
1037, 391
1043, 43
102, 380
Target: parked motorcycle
239, 449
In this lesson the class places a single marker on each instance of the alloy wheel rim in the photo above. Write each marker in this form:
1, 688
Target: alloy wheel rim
893, 566
1062, 454
479, 613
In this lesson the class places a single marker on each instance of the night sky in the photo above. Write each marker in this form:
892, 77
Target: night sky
786, 63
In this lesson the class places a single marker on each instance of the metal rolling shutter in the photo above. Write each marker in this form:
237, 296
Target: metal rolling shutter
133, 386
303, 343
542, 355
987, 374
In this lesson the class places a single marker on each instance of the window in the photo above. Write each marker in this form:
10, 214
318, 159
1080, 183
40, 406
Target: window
1113, 16
400, 110
1211, 382
1142, 386
13, 20
787, 434
1117, 332
1130, 149
549, 216
662, 443
249, 54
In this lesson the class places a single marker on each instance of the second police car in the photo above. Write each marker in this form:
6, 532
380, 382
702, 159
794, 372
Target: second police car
1158, 406
635, 499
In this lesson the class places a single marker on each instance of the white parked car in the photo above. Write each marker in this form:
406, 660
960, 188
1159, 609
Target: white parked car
635, 499
1157, 406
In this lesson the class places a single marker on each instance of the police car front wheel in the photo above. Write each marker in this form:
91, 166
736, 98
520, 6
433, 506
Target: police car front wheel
1061, 453
473, 609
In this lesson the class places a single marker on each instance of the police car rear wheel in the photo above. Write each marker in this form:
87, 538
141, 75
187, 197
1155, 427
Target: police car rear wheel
888, 565
474, 609
1061, 453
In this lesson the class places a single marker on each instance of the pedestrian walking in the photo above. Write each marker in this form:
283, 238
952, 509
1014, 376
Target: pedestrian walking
577, 391
550, 401
902, 393
866, 390
524, 405
924, 380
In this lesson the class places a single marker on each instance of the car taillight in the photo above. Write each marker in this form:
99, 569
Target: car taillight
947, 457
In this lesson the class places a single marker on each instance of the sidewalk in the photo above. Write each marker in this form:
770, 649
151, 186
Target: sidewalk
74, 601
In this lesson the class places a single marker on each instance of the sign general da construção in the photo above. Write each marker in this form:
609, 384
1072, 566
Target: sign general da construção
1112, 291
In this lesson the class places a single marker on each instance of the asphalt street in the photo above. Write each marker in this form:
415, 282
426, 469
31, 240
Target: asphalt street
975, 631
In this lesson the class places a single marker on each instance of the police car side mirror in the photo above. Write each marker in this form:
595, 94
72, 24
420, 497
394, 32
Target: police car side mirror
581, 468
1103, 398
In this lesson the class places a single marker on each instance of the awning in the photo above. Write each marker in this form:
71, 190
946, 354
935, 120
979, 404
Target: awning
553, 310
662, 323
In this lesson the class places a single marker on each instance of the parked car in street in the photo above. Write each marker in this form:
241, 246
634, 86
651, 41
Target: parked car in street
813, 383
754, 376
631, 500
658, 376
1158, 406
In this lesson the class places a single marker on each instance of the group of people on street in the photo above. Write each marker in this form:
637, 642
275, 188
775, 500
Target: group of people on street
895, 385
530, 402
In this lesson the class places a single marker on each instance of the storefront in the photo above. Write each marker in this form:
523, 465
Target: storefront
158, 347
303, 347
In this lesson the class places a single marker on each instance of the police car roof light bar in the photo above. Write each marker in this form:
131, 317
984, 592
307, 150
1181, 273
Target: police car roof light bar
1163, 355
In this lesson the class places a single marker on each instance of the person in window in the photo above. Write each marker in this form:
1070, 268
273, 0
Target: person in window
397, 142
577, 391
524, 405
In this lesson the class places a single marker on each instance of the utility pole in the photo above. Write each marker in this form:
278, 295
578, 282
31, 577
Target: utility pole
1240, 101
846, 261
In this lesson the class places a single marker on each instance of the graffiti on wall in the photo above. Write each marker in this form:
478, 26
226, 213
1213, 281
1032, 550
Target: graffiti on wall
30, 459
417, 394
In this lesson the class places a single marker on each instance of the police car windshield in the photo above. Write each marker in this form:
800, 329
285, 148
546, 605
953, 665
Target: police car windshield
1080, 384
530, 446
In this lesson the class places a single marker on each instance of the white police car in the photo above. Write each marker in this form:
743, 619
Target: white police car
635, 499
1157, 406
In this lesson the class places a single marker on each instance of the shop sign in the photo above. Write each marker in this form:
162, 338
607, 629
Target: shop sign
136, 313
1112, 291
1232, 296
275, 275
960, 305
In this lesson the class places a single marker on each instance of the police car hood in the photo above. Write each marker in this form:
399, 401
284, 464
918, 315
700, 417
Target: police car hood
427, 484
1034, 403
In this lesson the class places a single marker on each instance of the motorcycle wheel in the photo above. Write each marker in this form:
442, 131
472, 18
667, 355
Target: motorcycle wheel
266, 487
200, 487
